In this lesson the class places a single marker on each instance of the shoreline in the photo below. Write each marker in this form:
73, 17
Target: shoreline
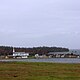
52, 60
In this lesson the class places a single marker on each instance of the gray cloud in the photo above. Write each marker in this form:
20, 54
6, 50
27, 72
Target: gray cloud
40, 22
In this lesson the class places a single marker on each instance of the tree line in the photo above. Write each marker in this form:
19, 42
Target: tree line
7, 50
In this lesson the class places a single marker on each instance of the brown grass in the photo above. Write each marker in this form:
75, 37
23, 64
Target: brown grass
39, 71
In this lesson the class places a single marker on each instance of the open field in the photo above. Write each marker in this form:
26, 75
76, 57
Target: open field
39, 71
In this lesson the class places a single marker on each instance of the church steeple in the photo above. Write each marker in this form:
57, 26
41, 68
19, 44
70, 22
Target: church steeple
13, 50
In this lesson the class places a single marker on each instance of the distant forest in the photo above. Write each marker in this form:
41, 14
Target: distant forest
6, 50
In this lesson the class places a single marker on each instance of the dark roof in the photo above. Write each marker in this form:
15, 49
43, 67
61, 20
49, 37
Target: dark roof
58, 53
18, 52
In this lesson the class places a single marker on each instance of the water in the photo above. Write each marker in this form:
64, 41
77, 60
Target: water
52, 60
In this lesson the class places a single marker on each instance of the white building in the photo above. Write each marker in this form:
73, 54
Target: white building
20, 54
40, 56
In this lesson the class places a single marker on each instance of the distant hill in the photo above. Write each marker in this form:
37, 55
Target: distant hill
76, 51
7, 50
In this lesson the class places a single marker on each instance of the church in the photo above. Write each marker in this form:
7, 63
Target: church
20, 54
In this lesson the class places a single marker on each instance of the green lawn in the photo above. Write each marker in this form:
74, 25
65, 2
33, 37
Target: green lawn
39, 71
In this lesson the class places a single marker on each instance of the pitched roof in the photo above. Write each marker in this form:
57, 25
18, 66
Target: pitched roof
58, 53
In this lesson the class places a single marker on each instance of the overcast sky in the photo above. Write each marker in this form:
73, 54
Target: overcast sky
29, 23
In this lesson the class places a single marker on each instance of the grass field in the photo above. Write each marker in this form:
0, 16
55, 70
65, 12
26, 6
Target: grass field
39, 71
